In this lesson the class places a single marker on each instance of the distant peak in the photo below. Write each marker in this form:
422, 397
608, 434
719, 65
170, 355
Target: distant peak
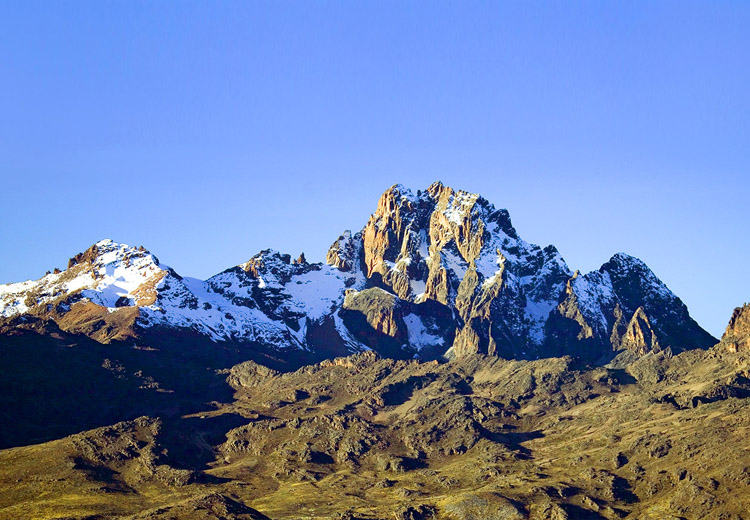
106, 248
625, 261
273, 261
270, 254
457, 205
625, 258
90, 254
435, 188
399, 193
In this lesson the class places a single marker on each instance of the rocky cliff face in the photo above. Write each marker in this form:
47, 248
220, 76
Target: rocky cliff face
506, 296
439, 272
623, 305
455, 249
737, 335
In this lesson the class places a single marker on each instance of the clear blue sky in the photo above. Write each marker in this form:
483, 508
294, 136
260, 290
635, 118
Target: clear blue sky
207, 131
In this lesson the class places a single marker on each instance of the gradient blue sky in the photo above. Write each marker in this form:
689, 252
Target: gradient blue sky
207, 131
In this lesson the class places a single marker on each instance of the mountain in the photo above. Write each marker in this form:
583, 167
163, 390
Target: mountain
435, 367
115, 292
506, 296
436, 273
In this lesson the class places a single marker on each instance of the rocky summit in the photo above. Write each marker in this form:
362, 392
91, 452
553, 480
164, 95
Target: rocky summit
435, 367
737, 335
440, 273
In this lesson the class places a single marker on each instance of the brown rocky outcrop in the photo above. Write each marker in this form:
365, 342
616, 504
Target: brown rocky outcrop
737, 335
98, 322
146, 293
380, 308
639, 337
570, 309
87, 256
452, 221
390, 242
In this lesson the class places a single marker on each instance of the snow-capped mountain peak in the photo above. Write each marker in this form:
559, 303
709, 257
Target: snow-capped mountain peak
432, 272
108, 273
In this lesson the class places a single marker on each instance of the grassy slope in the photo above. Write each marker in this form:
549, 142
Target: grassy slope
666, 438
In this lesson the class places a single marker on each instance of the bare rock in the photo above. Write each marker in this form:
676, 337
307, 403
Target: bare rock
737, 335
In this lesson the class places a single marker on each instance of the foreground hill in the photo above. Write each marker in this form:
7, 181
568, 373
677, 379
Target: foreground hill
436, 273
371, 438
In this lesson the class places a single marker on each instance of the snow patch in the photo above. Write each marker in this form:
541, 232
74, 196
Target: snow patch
419, 336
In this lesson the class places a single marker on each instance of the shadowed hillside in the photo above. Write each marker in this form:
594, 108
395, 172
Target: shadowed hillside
364, 437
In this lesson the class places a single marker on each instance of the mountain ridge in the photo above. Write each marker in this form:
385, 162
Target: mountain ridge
486, 289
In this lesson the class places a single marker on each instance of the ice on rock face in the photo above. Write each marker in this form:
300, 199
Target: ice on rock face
419, 335
317, 293
459, 205
594, 294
